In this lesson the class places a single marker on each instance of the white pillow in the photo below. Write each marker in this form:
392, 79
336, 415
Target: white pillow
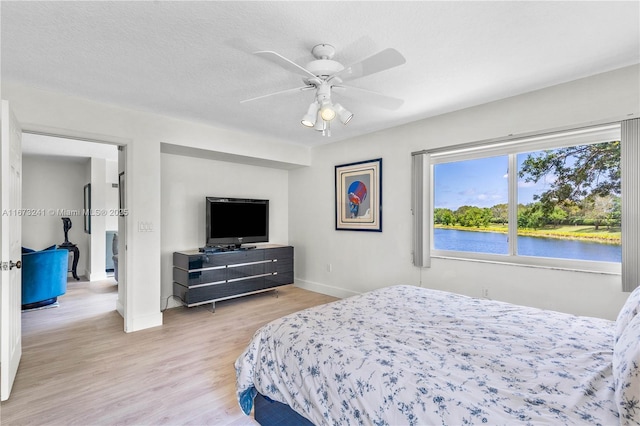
629, 310
626, 373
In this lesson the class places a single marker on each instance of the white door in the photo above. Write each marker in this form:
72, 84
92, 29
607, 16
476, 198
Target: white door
10, 250
122, 305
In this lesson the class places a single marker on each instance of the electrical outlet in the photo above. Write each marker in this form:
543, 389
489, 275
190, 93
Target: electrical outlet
145, 226
329, 267
485, 293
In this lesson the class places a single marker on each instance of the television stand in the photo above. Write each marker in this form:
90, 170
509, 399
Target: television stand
201, 276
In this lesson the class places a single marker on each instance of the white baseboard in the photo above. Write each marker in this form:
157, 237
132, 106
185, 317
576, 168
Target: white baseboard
97, 276
141, 322
120, 307
144, 322
325, 289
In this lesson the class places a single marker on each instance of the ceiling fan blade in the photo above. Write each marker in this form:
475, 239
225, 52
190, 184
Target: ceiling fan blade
384, 101
297, 89
284, 62
381, 61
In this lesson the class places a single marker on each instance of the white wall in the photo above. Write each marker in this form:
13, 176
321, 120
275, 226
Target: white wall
97, 248
112, 202
186, 181
50, 184
363, 261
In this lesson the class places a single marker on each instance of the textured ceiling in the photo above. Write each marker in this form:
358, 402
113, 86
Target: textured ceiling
193, 60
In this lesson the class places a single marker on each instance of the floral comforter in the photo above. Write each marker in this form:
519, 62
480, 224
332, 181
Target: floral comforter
405, 355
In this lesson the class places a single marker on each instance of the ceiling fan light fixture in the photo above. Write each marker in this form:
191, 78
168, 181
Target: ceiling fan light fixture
320, 123
344, 114
310, 118
327, 129
307, 122
327, 112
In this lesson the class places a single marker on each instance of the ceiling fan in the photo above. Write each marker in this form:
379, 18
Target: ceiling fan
323, 75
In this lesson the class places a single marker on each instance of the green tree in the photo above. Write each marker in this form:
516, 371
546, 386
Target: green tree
616, 212
574, 213
556, 216
500, 213
532, 216
444, 216
579, 172
473, 216
460, 214
599, 210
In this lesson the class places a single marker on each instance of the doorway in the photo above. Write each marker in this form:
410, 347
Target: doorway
79, 180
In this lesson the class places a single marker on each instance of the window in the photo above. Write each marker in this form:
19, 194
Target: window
471, 206
561, 206
569, 203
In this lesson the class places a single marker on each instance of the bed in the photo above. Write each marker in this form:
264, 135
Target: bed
405, 355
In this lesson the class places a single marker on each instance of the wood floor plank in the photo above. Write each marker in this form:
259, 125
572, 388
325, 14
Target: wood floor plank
80, 368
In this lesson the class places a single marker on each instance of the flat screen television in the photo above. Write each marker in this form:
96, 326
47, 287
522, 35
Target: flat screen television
236, 221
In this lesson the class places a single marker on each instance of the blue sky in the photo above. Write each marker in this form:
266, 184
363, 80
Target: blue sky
482, 182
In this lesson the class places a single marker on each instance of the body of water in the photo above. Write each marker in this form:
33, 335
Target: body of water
496, 243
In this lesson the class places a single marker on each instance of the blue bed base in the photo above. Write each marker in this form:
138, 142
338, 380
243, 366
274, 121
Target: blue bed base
268, 412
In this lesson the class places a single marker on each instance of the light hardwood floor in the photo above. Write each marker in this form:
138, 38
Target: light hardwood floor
80, 368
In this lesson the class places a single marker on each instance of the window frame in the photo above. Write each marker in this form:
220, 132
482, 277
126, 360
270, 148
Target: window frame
511, 148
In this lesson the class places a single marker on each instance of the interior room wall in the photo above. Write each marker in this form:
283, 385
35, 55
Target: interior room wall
111, 179
52, 188
186, 181
344, 263
97, 269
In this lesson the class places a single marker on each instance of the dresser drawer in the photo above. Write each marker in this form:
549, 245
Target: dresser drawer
241, 256
279, 279
280, 265
245, 270
196, 261
214, 292
188, 278
279, 253
190, 262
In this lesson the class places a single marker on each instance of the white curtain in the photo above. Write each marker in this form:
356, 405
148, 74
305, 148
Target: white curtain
421, 186
630, 164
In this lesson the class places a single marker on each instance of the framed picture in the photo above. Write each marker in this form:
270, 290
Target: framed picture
121, 205
87, 208
359, 196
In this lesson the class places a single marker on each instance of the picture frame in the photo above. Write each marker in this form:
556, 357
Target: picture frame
121, 203
358, 196
87, 208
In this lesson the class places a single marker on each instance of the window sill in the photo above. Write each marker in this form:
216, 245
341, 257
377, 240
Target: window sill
604, 268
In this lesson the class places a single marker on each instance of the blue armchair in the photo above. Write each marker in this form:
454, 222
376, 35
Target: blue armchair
44, 276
